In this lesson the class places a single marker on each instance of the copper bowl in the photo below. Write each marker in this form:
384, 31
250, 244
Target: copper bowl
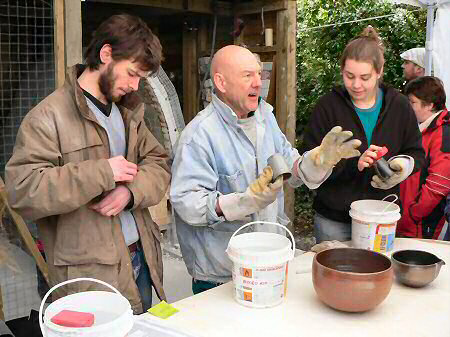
350, 279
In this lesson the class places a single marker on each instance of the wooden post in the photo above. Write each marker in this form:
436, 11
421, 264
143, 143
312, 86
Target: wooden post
59, 36
67, 36
190, 75
73, 32
286, 83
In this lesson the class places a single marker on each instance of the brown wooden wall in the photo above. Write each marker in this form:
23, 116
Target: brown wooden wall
185, 30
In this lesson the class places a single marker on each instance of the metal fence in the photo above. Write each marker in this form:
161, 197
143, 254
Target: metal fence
27, 72
27, 75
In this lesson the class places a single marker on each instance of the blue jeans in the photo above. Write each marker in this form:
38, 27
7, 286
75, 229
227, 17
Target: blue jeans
328, 230
143, 280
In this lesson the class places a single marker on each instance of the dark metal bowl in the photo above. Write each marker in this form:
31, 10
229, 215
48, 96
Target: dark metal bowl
416, 268
351, 279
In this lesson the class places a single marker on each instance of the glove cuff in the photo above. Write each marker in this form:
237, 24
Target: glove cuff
237, 206
409, 163
312, 175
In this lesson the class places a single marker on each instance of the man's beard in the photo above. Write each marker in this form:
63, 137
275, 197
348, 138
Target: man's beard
106, 83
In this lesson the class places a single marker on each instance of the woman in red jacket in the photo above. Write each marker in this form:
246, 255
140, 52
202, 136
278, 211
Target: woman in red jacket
424, 193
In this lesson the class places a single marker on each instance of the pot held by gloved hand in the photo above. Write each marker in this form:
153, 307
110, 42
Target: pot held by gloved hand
416, 268
350, 279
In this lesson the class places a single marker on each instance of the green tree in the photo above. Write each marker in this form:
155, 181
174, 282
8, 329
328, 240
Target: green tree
319, 51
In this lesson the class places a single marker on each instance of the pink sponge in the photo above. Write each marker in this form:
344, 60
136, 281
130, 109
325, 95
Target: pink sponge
73, 319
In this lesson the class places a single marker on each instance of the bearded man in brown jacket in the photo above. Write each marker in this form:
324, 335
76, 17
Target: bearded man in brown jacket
86, 168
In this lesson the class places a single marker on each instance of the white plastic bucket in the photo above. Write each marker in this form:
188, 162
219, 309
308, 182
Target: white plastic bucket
112, 312
260, 266
373, 224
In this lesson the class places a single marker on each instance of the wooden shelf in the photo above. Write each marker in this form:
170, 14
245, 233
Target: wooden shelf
255, 7
194, 6
263, 49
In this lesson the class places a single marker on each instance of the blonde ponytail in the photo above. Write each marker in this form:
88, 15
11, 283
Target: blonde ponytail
370, 33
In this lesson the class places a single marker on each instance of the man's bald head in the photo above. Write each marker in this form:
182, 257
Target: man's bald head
226, 59
236, 74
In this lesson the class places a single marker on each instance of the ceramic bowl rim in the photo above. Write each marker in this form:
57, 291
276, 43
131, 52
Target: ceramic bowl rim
414, 265
351, 272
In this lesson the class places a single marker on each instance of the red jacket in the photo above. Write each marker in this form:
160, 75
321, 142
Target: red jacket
424, 193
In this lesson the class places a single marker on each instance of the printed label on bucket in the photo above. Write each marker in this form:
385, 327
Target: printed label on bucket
261, 286
384, 238
373, 236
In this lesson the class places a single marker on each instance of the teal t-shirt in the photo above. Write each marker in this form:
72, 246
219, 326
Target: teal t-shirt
369, 116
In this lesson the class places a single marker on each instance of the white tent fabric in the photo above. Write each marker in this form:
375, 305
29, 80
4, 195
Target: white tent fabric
408, 2
420, 3
441, 47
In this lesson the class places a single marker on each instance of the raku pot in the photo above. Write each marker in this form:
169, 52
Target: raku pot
351, 279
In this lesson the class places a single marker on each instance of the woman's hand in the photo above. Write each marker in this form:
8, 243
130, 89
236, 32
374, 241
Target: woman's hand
368, 157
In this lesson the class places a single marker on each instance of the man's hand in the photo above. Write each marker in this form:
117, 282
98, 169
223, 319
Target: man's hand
123, 170
262, 191
334, 147
400, 168
368, 157
114, 202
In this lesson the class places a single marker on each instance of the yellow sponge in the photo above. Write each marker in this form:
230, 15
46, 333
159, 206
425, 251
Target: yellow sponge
163, 310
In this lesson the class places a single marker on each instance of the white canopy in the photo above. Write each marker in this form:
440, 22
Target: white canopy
441, 46
419, 3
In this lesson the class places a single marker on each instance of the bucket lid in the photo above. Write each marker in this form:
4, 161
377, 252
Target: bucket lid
260, 249
374, 207
375, 210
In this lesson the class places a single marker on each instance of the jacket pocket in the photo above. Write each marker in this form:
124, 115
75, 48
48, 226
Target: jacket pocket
84, 236
79, 150
232, 183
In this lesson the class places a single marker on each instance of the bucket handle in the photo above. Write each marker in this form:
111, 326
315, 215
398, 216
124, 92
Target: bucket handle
267, 223
41, 308
389, 205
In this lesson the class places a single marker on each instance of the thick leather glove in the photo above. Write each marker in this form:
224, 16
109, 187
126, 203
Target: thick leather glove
400, 166
262, 191
333, 148
260, 194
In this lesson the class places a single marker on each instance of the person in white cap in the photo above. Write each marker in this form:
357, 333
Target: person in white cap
413, 63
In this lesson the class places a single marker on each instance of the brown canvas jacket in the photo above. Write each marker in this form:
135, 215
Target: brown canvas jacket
59, 167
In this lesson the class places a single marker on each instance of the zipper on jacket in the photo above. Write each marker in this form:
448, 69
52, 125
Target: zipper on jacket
342, 93
384, 107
